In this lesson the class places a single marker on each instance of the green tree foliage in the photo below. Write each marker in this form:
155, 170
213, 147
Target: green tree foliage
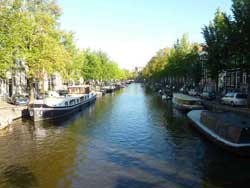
10, 42
156, 65
179, 62
96, 65
184, 61
31, 34
241, 30
217, 37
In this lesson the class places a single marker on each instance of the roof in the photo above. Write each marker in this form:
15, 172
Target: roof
185, 97
78, 86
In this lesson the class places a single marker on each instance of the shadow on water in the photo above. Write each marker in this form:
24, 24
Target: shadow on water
125, 182
127, 162
175, 122
223, 168
19, 177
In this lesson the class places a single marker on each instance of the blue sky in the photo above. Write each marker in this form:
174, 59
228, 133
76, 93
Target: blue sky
131, 31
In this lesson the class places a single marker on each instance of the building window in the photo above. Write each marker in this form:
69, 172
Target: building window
237, 79
244, 79
232, 84
82, 99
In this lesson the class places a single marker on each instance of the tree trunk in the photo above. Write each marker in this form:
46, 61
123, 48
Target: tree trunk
217, 85
248, 89
43, 87
31, 91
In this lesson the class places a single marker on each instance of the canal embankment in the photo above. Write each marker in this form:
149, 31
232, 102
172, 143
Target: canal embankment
212, 105
9, 113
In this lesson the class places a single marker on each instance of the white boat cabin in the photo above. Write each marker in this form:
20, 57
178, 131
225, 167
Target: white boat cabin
76, 95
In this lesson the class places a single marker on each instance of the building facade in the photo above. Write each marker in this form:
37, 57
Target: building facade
15, 82
228, 80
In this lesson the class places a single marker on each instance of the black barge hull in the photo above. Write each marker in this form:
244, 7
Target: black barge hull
43, 112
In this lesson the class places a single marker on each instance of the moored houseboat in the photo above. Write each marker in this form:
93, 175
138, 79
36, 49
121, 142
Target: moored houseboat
55, 106
186, 103
109, 89
227, 129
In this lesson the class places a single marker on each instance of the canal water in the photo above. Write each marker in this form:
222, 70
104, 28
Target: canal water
129, 139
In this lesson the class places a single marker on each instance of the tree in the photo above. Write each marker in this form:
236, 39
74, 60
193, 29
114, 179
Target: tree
31, 34
11, 20
194, 71
91, 66
156, 65
177, 63
241, 14
75, 56
216, 36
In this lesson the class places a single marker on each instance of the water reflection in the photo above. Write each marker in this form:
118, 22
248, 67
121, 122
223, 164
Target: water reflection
19, 177
128, 139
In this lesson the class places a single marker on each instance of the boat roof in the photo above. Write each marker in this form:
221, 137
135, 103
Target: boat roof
185, 97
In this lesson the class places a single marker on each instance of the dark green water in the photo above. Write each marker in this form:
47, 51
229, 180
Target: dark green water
130, 139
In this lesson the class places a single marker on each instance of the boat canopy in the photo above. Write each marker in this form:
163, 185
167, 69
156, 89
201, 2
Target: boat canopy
82, 89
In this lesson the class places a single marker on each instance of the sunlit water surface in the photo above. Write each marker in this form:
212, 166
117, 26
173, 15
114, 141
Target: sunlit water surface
130, 139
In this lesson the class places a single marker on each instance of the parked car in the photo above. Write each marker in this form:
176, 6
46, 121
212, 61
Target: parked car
235, 99
193, 92
208, 95
19, 100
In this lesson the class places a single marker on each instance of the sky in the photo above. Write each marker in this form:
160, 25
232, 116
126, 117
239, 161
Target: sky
132, 31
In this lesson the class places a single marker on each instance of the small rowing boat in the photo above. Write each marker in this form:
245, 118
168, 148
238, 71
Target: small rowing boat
185, 103
227, 129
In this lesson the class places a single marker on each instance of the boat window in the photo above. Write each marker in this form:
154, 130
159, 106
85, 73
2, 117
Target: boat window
77, 100
72, 102
66, 103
